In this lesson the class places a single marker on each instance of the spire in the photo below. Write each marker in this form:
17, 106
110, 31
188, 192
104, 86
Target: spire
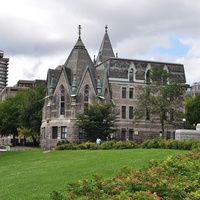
106, 28
79, 31
77, 62
105, 51
79, 43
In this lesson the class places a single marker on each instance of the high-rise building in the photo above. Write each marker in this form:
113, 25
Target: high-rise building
3, 71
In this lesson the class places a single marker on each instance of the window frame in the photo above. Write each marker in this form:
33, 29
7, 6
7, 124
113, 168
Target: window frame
54, 132
123, 92
63, 133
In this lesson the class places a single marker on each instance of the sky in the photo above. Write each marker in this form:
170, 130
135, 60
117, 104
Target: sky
37, 35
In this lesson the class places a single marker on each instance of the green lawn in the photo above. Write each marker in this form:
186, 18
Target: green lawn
33, 174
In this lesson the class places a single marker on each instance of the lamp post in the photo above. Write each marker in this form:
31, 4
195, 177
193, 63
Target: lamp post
184, 120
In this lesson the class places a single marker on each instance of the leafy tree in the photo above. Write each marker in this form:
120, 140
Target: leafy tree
9, 113
24, 111
192, 111
161, 99
30, 114
97, 120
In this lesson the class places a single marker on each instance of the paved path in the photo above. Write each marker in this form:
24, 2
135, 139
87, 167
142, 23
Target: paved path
20, 148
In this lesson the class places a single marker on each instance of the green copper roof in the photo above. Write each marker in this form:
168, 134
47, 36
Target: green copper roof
79, 43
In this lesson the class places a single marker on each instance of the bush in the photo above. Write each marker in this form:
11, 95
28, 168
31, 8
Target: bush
157, 143
177, 177
171, 144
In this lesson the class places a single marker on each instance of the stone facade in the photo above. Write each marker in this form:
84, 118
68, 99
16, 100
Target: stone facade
80, 81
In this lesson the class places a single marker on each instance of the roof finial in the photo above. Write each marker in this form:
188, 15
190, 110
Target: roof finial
106, 28
79, 31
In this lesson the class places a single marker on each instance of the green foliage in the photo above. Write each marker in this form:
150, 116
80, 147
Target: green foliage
192, 111
161, 95
30, 116
55, 195
93, 146
176, 177
159, 143
97, 120
24, 111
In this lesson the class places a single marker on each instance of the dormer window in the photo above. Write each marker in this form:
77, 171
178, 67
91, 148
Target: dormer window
131, 75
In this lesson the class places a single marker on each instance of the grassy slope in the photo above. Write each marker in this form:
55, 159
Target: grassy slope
28, 175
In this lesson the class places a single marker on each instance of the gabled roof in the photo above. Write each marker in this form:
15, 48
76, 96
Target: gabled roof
106, 50
52, 74
78, 61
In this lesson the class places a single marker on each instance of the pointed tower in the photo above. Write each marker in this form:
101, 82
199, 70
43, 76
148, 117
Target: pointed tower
106, 50
79, 60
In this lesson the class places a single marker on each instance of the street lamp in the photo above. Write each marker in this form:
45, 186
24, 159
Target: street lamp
184, 120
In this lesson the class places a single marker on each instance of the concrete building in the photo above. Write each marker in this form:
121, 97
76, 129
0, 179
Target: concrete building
20, 85
195, 89
3, 70
81, 81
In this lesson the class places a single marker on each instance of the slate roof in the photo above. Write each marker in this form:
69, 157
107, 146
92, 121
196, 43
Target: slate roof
78, 61
106, 50
118, 68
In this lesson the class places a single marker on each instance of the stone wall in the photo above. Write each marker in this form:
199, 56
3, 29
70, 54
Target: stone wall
183, 134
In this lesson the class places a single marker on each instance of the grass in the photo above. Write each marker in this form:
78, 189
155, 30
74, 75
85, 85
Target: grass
33, 174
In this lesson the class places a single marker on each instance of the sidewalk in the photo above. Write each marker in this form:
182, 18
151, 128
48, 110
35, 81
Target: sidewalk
21, 148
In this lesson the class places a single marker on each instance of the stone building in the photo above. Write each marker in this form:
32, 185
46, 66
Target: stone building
3, 71
81, 81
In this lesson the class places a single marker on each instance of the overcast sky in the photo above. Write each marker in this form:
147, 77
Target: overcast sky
39, 34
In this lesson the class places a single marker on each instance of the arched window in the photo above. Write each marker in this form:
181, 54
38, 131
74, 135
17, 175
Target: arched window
62, 100
86, 96
131, 75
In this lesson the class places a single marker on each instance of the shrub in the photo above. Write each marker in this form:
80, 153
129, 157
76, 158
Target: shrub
171, 144
153, 143
177, 177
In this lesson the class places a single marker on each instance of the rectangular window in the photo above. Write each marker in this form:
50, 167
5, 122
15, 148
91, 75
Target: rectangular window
54, 132
123, 134
123, 92
130, 93
131, 134
63, 132
123, 112
130, 112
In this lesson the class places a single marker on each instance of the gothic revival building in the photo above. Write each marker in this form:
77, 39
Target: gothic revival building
81, 81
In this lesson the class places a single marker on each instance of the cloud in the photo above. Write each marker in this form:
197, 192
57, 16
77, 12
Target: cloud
37, 35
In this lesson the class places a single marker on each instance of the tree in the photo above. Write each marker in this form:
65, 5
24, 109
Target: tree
97, 120
9, 113
161, 99
24, 111
30, 115
192, 111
